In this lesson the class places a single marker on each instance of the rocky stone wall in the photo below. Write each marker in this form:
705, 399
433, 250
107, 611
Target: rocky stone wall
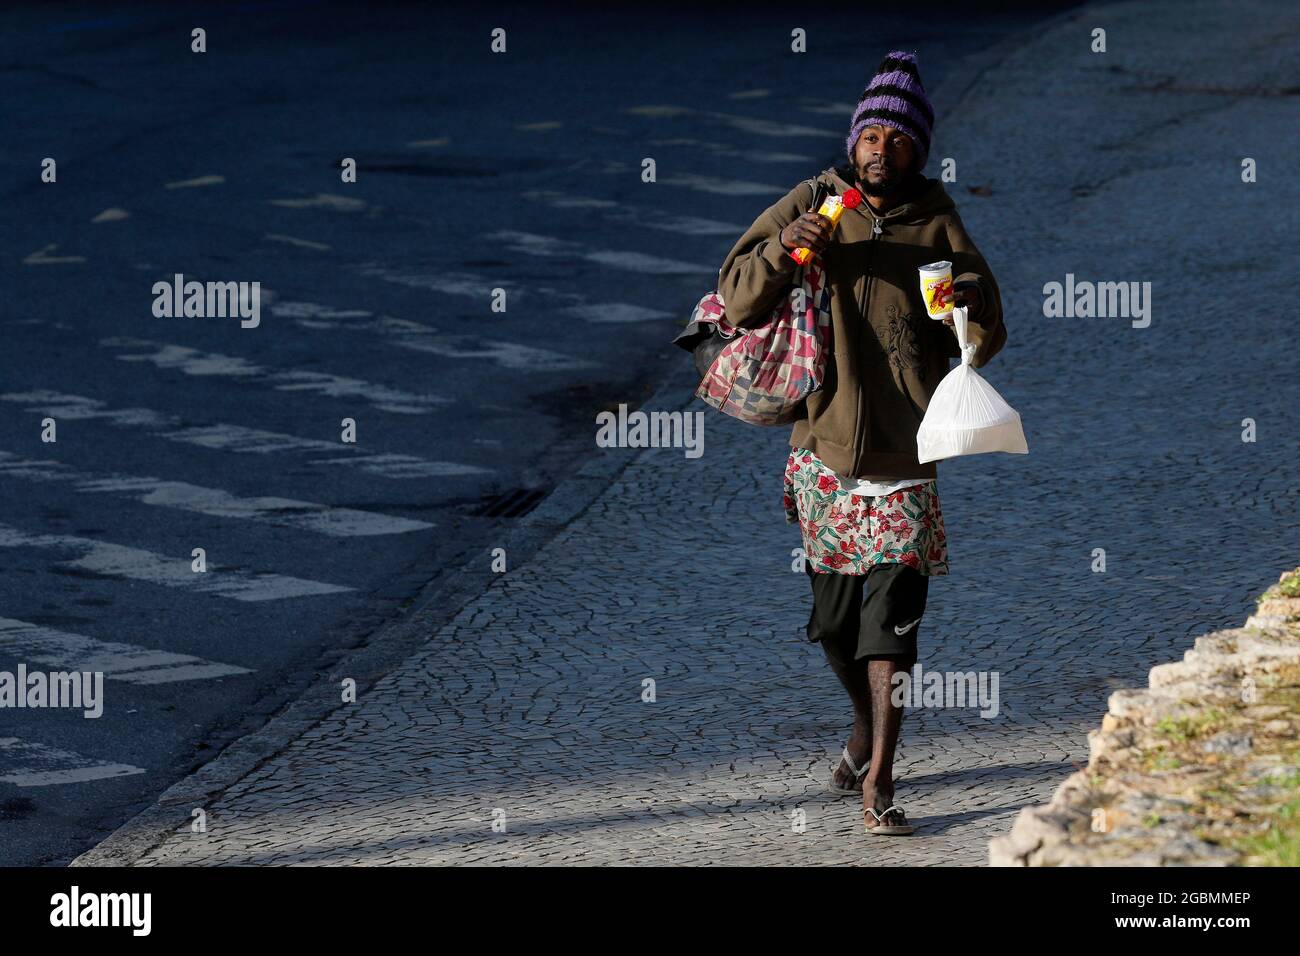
1200, 769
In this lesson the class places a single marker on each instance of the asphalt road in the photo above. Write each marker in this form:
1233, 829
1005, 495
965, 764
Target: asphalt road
476, 171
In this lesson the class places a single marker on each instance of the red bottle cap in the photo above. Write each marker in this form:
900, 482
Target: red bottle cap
852, 199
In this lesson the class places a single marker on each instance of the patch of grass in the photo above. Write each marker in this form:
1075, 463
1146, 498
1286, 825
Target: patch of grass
1183, 729
1280, 844
1289, 586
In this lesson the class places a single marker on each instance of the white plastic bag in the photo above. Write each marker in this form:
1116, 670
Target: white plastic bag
965, 415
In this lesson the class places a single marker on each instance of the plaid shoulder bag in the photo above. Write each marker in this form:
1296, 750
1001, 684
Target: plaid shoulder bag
762, 373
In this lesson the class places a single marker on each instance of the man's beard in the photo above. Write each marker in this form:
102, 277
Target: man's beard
887, 187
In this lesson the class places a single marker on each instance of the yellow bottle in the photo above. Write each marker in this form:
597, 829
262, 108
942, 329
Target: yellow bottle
832, 208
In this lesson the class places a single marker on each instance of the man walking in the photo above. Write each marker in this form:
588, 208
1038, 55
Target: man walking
867, 509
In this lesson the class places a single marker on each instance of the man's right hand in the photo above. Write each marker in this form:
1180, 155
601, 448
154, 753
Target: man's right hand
810, 230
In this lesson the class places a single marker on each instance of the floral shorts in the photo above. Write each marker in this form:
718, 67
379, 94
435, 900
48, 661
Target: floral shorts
847, 534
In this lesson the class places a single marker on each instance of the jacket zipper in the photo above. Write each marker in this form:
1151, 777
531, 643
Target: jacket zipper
876, 232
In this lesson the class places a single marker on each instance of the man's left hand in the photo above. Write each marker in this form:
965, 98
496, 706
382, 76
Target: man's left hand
969, 296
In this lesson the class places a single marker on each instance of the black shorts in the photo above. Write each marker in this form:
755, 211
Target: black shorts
884, 624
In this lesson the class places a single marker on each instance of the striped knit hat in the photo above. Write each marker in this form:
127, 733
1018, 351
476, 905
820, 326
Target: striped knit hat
895, 97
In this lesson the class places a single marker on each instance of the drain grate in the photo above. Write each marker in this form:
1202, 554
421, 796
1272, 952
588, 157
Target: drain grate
511, 504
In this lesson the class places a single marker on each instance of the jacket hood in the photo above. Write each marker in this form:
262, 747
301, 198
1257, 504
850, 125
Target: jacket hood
928, 195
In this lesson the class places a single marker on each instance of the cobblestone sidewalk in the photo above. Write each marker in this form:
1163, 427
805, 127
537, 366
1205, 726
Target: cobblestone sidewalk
527, 708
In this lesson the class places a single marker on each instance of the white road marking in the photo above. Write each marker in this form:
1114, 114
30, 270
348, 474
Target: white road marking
761, 127
832, 109
682, 225
65, 651
293, 241
615, 312
648, 218
310, 310
723, 187
641, 262
26, 764
425, 338
745, 124
541, 127
234, 437
530, 243
200, 181
193, 362
721, 149
662, 112
750, 94
112, 215
42, 257
449, 283
560, 200
137, 564
509, 355
438, 141
282, 512
322, 201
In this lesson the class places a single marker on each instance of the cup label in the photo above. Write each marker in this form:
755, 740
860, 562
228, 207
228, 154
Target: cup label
937, 291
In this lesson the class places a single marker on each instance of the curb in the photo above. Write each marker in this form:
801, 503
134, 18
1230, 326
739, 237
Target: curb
436, 605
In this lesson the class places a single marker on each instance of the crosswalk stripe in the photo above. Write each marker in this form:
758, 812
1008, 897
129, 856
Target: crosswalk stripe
237, 438
300, 243
533, 244
509, 355
425, 338
137, 564
722, 187
448, 283
282, 512
611, 211
199, 181
212, 364
63, 650
723, 149
745, 124
615, 312
322, 201
42, 257
26, 764
833, 109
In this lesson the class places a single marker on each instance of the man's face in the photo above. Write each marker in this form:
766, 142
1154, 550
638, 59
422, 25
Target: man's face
882, 157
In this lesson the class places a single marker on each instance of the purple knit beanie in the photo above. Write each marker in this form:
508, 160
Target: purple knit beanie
895, 97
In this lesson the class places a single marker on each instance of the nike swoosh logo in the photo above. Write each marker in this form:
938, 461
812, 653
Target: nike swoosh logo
903, 630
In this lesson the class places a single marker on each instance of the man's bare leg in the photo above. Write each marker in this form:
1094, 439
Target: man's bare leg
853, 675
886, 720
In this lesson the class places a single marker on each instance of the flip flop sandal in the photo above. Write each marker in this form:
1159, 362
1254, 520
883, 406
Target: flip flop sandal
857, 775
880, 829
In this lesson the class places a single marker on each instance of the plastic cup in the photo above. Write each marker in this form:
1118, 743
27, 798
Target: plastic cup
936, 289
